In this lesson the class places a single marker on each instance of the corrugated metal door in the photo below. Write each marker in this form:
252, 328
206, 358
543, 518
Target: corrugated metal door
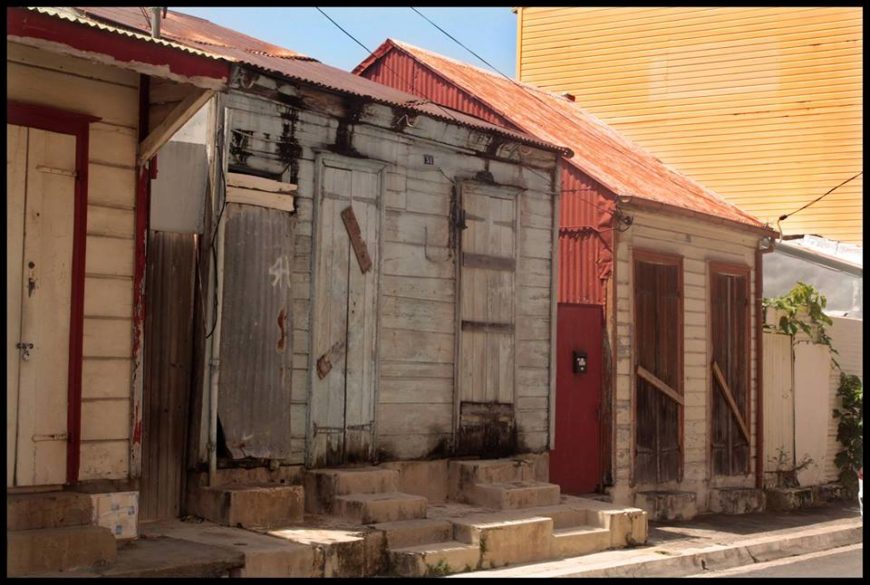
344, 355
658, 321
575, 463
256, 353
487, 314
778, 402
729, 336
40, 185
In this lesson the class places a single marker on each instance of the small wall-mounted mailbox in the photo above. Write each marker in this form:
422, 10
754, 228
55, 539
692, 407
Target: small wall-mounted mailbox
580, 362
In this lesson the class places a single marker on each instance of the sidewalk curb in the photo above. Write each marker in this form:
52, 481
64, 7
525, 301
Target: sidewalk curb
663, 563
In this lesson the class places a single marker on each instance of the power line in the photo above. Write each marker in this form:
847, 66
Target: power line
787, 215
370, 53
528, 90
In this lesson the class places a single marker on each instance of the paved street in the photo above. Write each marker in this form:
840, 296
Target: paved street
846, 561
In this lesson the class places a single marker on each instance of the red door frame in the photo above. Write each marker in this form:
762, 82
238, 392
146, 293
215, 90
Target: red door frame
78, 125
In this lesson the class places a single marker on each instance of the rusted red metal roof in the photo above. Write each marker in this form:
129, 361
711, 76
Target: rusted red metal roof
233, 46
607, 156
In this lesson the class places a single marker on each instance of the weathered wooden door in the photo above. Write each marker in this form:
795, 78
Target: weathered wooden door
729, 338
40, 191
658, 347
487, 318
575, 463
168, 361
344, 352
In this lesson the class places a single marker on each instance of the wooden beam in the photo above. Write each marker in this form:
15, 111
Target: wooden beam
260, 198
729, 398
659, 385
179, 115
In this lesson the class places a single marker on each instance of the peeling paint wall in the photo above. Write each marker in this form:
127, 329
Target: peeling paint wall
277, 130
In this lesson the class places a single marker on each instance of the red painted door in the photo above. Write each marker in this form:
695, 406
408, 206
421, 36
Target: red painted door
575, 463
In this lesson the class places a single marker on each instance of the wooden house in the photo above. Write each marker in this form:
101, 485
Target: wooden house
659, 288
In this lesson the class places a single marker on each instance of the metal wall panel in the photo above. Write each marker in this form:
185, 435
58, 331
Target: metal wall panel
256, 353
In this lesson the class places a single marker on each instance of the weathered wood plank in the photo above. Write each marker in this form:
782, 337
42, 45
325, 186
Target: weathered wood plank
659, 385
103, 378
244, 196
109, 256
174, 120
104, 460
420, 315
110, 221
107, 338
108, 297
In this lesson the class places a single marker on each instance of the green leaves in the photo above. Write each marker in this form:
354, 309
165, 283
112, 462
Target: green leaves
850, 429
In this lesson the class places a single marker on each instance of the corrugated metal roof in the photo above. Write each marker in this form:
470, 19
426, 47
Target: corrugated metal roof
619, 164
206, 38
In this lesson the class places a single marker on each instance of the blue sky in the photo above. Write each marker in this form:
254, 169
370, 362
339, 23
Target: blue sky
490, 32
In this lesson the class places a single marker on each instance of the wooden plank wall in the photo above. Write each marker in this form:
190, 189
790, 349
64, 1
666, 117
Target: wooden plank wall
697, 243
415, 402
74, 84
740, 98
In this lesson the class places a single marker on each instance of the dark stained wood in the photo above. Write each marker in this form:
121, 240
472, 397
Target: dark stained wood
658, 351
659, 385
729, 334
490, 262
487, 327
356, 239
168, 359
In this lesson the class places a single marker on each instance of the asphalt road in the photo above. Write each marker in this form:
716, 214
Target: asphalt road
842, 562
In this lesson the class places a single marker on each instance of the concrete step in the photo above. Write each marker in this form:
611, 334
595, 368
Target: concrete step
506, 538
341, 550
380, 507
576, 541
405, 533
736, 500
493, 470
435, 559
322, 486
48, 510
249, 506
264, 555
667, 505
44, 550
513, 495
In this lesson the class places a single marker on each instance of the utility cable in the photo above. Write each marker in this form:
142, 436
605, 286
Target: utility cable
370, 53
817, 199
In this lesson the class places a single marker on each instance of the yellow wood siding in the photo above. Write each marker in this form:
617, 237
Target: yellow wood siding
762, 105
69, 83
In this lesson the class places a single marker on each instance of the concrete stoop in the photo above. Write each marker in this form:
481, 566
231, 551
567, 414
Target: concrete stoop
667, 505
48, 510
785, 499
249, 506
44, 550
737, 500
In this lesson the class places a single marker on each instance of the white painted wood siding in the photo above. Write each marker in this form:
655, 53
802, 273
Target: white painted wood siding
77, 85
698, 243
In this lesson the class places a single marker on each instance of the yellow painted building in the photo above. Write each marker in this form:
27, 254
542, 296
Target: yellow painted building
762, 105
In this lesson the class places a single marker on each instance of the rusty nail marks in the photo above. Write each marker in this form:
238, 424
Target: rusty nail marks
282, 317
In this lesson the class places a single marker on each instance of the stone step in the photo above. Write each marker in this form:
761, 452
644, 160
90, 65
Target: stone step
435, 559
667, 505
576, 541
48, 510
341, 550
506, 538
736, 500
249, 506
563, 516
322, 486
380, 507
494, 470
405, 533
45, 550
513, 495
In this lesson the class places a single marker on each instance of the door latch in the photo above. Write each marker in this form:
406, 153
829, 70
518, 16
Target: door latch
24, 348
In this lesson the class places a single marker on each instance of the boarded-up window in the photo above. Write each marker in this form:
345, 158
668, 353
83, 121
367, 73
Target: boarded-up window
729, 336
658, 366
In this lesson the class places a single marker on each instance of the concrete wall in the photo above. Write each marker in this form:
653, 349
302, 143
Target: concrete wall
69, 83
697, 243
415, 408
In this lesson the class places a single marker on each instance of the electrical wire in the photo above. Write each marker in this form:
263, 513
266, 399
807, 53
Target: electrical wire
787, 215
370, 53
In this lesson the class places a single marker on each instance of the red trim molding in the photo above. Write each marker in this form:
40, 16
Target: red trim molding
77, 124
27, 23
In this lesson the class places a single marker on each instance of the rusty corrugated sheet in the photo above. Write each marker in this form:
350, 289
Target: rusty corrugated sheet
585, 239
256, 338
619, 164
239, 48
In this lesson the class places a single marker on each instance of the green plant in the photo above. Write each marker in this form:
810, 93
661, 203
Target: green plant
786, 474
850, 430
440, 569
803, 309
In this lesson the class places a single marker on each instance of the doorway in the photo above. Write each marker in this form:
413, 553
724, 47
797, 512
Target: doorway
344, 328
